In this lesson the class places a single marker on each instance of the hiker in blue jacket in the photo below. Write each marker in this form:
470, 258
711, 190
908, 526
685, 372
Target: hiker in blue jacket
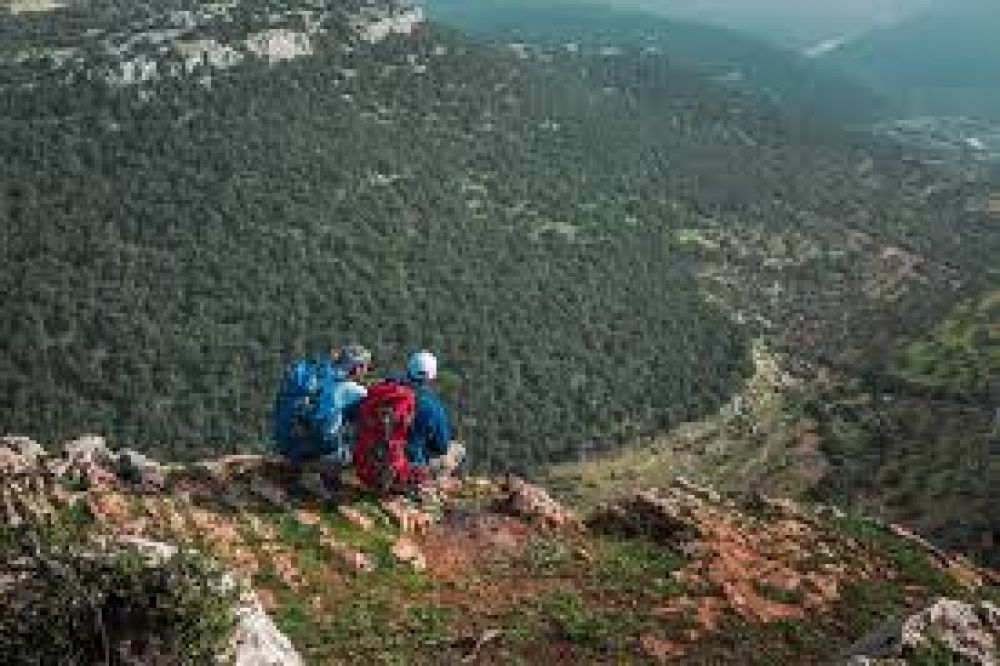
429, 447
316, 411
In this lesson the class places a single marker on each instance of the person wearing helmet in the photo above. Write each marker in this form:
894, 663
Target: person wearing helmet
429, 448
351, 364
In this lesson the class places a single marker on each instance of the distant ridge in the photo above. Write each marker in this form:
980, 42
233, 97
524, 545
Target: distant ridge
945, 60
782, 75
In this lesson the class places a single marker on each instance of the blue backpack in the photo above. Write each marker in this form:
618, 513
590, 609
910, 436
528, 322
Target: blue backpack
306, 424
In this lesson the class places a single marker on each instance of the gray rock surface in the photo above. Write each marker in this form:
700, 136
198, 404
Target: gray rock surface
141, 471
256, 640
26, 447
969, 631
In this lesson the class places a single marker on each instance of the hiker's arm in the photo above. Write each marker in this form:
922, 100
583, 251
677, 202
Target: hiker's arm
440, 430
354, 404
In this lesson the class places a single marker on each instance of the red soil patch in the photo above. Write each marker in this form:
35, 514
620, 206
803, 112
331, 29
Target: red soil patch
463, 543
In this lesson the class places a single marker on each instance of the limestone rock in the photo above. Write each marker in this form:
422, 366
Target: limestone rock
11, 462
28, 449
408, 518
257, 641
142, 472
88, 450
968, 631
406, 551
528, 501
356, 518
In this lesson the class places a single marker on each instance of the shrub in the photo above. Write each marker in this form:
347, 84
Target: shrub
66, 600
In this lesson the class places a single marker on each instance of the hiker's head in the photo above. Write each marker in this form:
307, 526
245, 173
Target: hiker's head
422, 366
356, 360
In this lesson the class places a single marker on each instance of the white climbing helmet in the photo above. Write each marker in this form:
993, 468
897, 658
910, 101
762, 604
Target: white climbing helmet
422, 365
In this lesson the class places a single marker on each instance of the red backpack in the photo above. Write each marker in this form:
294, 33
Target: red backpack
384, 419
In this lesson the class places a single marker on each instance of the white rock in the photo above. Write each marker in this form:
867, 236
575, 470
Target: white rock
969, 631
88, 450
256, 640
25, 447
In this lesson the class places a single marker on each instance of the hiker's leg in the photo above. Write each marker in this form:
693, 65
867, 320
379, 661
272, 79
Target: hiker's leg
444, 466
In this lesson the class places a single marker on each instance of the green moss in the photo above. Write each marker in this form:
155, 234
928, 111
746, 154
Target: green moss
912, 563
962, 354
636, 566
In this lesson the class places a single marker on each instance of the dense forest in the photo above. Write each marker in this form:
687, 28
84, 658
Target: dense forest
169, 246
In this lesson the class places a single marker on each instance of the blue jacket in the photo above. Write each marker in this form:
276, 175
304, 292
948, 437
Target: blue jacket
431, 430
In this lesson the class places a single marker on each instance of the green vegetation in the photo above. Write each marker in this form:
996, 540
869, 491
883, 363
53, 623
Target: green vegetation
962, 355
161, 270
928, 464
73, 601
912, 564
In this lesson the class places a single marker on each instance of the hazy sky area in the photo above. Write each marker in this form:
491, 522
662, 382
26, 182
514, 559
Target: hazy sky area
795, 23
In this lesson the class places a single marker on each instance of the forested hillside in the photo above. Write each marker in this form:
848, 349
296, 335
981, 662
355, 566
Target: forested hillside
189, 202
736, 59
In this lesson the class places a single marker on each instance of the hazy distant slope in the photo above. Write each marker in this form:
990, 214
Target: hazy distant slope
738, 59
943, 61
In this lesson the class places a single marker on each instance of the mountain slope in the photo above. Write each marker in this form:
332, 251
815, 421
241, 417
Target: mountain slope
499, 573
599, 241
174, 236
943, 61
780, 75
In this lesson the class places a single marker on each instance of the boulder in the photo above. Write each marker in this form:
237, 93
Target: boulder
257, 641
527, 501
140, 471
12, 462
27, 448
406, 551
89, 450
89, 458
968, 631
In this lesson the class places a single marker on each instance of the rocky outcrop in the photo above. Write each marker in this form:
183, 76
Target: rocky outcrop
143, 473
19, 452
89, 460
965, 631
534, 503
256, 640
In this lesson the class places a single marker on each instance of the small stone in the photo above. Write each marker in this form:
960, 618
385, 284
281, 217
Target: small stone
89, 450
356, 518
408, 518
308, 518
406, 551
